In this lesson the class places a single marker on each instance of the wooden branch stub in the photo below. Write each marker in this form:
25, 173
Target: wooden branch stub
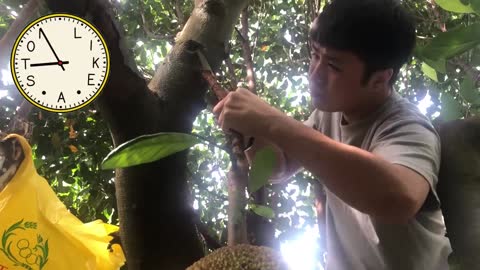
220, 93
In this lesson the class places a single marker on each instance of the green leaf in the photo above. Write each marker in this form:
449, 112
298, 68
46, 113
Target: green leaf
38, 162
164, 51
451, 109
469, 92
452, 43
148, 148
455, 6
475, 61
260, 61
143, 56
262, 210
262, 168
430, 72
475, 5
440, 65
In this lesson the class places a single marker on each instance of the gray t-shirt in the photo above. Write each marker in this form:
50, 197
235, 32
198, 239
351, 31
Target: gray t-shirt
400, 134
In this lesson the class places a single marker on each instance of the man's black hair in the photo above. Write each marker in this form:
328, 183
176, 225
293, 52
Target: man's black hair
380, 32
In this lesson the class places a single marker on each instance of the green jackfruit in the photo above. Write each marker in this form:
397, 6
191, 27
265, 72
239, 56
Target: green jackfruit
241, 257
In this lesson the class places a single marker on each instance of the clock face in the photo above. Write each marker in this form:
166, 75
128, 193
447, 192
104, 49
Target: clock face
60, 63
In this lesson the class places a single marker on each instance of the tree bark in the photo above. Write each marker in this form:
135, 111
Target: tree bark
247, 53
459, 188
237, 226
157, 228
237, 177
320, 203
261, 231
7, 41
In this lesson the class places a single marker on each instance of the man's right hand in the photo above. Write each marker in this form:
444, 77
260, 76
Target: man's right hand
247, 114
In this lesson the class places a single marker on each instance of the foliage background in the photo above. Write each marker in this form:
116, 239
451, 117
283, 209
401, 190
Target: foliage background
69, 147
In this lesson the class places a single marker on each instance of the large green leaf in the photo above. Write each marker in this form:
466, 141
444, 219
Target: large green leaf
262, 168
440, 65
451, 109
469, 91
475, 61
475, 5
430, 72
148, 148
455, 6
262, 210
452, 43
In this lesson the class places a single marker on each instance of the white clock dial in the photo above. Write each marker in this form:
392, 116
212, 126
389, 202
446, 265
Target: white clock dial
60, 63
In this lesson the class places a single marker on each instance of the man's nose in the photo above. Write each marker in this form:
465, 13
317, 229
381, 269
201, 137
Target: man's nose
317, 71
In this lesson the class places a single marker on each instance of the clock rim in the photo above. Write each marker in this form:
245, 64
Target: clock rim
14, 49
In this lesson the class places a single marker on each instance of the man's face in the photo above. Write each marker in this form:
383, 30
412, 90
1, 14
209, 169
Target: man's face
335, 79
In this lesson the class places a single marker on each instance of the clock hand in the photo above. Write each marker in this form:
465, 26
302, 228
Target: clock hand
60, 63
50, 45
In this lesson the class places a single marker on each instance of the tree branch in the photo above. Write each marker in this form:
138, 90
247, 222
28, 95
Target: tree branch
146, 27
19, 123
142, 15
7, 41
231, 69
470, 70
320, 203
211, 242
247, 53
179, 12
316, 8
213, 143
237, 177
436, 13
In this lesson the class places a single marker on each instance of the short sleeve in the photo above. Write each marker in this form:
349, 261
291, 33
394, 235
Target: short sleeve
415, 145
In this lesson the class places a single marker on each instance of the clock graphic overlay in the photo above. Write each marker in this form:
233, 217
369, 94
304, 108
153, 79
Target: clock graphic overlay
60, 63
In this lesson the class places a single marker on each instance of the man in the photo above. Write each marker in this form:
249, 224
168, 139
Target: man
376, 154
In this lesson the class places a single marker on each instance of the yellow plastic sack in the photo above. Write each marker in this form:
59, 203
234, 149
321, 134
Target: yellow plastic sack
38, 233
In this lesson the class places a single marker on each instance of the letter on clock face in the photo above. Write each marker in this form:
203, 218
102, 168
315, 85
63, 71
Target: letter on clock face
95, 60
61, 97
75, 33
31, 80
25, 61
31, 46
90, 78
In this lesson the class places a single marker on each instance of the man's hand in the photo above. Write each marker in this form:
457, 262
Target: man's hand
246, 113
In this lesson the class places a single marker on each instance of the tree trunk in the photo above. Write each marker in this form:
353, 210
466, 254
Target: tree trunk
157, 228
237, 226
320, 204
261, 232
459, 188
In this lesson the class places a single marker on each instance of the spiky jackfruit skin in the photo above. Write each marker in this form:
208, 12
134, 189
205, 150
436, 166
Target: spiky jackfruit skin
241, 257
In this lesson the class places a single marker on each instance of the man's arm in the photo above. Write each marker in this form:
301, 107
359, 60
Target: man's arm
388, 192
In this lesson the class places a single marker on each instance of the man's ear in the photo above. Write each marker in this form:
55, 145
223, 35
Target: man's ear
380, 80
